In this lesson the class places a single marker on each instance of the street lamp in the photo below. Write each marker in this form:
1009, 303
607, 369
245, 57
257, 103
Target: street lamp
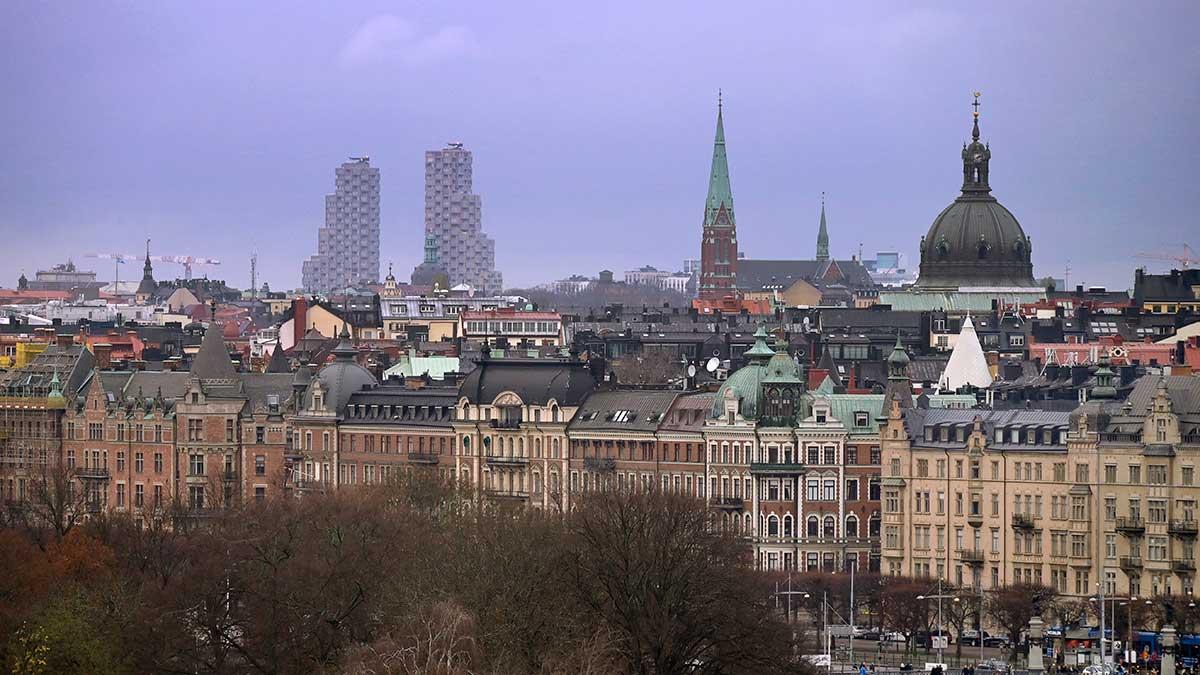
939, 597
804, 594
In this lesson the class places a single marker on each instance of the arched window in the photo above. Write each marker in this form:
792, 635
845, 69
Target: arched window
814, 527
873, 525
487, 445
554, 413
773, 526
851, 527
537, 447
521, 447
555, 448
787, 526
830, 528
466, 445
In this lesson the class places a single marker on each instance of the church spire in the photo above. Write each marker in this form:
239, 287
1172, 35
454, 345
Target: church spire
720, 195
822, 235
718, 245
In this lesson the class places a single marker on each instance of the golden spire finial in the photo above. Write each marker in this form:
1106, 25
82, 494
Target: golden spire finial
975, 105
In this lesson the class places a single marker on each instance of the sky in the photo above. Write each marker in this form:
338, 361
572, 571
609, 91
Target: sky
214, 128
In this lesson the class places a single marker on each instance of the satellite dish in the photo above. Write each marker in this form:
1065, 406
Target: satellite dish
712, 364
691, 370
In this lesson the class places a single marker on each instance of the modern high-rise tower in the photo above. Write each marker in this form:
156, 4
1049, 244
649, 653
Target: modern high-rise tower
348, 245
454, 238
718, 248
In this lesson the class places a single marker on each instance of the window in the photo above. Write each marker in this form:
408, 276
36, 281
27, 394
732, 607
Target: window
228, 431
876, 456
139, 462
1081, 473
813, 490
1156, 474
196, 496
1135, 474
892, 503
158, 462
873, 489
1110, 546
891, 537
1188, 475
260, 493
830, 490
1156, 510
120, 461
922, 468
1157, 548
120, 495
851, 455
1110, 508
852, 489
139, 495
1110, 473
196, 465
260, 435
260, 465
895, 466
195, 429
1060, 472
861, 419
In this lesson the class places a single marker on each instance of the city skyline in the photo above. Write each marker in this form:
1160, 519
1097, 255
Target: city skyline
626, 155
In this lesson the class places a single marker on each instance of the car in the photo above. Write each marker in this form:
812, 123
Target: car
872, 634
970, 637
892, 636
997, 641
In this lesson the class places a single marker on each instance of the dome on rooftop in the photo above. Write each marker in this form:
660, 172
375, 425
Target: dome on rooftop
975, 241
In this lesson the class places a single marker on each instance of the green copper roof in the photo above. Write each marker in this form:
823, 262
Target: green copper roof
760, 349
720, 195
823, 235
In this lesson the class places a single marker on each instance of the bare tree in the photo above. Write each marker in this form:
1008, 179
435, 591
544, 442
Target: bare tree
1011, 607
677, 596
649, 366
901, 610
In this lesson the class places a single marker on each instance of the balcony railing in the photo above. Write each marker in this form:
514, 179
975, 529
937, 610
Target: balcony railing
1131, 525
1184, 566
98, 472
599, 464
1182, 528
509, 494
971, 556
777, 468
509, 461
731, 503
1131, 562
504, 424
422, 458
1022, 521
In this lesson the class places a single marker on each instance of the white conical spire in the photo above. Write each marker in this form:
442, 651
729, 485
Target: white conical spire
967, 365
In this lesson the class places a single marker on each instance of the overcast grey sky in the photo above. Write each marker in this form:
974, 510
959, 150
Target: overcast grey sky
215, 127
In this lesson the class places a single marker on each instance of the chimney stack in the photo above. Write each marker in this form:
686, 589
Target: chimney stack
103, 352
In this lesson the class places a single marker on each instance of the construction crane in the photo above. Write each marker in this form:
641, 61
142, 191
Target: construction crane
1184, 261
187, 261
118, 260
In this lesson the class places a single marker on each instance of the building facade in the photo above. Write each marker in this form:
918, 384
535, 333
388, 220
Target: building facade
1105, 494
348, 244
453, 224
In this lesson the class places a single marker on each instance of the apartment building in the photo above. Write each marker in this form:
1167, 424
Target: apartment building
1105, 494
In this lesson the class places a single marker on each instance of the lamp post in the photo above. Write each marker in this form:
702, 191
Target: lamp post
939, 598
788, 594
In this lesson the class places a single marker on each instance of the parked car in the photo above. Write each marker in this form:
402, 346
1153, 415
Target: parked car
993, 667
998, 641
892, 636
970, 637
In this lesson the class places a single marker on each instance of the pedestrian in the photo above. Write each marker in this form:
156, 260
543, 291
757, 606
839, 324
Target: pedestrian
862, 668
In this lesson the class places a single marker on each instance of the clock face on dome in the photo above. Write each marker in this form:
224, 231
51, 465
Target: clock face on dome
978, 157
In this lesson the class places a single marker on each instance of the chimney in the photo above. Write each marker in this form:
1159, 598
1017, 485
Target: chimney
103, 352
64, 340
299, 318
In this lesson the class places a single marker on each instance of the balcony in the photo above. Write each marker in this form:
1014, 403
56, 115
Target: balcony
1131, 526
93, 472
422, 458
599, 464
1184, 566
777, 468
1022, 521
509, 424
975, 519
728, 503
508, 495
1182, 528
972, 556
1131, 562
229, 474
498, 460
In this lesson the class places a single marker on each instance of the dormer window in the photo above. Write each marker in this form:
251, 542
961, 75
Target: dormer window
822, 415
861, 419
